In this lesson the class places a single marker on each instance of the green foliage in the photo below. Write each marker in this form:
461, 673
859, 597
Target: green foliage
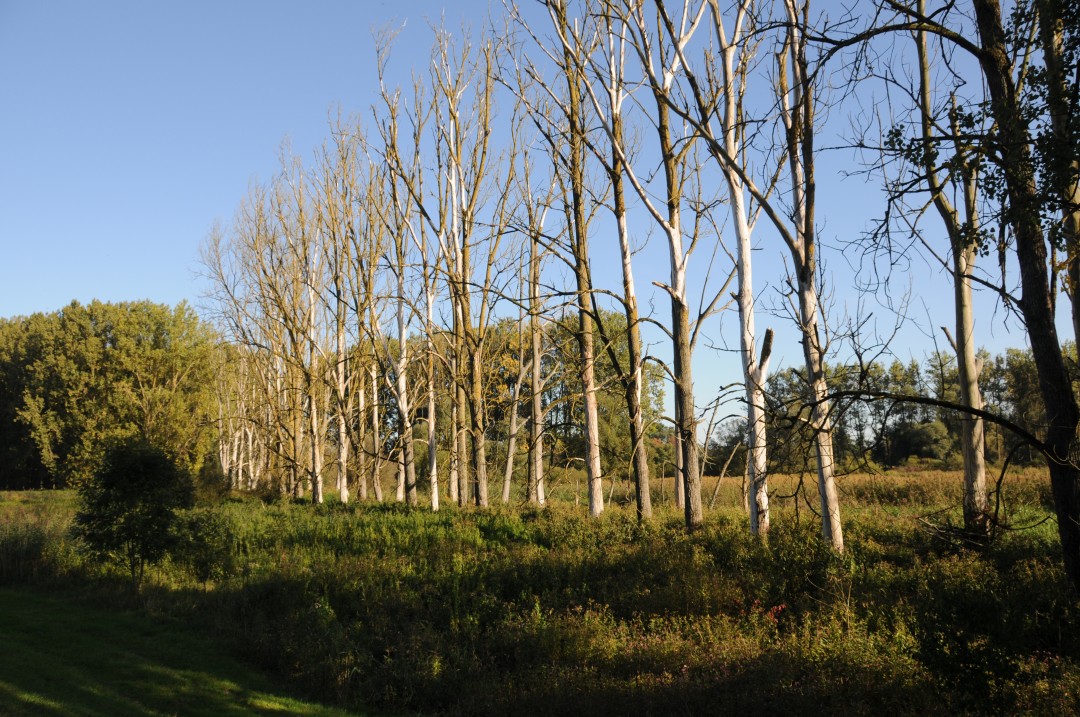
920, 440
890, 432
402, 609
127, 510
32, 536
64, 656
76, 380
563, 395
204, 544
543, 611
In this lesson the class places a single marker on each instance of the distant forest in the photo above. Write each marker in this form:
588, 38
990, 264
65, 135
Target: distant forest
76, 380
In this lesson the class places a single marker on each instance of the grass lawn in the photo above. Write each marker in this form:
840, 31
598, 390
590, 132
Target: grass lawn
61, 657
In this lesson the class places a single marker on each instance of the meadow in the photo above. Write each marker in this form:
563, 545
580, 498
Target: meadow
378, 608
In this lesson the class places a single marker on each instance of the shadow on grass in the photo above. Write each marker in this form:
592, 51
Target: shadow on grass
61, 657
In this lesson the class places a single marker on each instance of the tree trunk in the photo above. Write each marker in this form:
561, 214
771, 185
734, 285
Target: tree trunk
536, 384
573, 73
972, 428
433, 453
686, 412
455, 458
632, 383
964, 251
405, 425
400, 492
820, 421
361, 412
376, 440
462, 437
755, 371
687, 426
344, 407
593, 473
1035, 302
797, 112
478, 429
512, 428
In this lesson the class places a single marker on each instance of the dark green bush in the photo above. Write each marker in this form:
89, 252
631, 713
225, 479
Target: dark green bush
23, 547
127, 509
204, 544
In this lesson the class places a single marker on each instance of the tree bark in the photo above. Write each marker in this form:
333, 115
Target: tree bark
536, 382
1036, 303
964, 252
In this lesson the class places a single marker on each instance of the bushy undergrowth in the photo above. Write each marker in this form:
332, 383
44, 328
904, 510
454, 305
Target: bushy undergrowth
33, 535
534, 612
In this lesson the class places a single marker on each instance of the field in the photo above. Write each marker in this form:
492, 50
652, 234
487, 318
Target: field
383, 609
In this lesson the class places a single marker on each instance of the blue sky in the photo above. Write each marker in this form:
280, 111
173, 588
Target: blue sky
128, 128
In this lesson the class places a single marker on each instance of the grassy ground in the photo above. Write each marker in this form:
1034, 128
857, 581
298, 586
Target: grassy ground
63, 657
542, 612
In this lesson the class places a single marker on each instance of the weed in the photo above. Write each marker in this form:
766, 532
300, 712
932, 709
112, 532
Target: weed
548, 612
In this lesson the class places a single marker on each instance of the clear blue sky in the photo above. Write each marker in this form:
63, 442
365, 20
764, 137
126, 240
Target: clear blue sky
127, 128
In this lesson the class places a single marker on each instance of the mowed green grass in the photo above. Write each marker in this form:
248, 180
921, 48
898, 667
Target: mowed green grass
59, 656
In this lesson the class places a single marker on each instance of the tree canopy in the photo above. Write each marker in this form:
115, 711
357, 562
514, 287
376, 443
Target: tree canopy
74, 380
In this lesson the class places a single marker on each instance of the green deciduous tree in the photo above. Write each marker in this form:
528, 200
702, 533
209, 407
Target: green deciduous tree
127, 509
74, 380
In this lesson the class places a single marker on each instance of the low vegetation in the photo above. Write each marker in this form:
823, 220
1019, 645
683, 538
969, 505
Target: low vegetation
543, 611
65, 657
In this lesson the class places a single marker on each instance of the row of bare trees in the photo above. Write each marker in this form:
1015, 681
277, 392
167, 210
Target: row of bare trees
581, 128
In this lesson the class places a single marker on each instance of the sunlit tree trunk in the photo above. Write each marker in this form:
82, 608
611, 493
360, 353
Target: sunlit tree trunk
633, 377
363, 472
512, 428
963, 248
433, 452
570, 159
376, 440
795, 93
455, 461
536, 381
660, 41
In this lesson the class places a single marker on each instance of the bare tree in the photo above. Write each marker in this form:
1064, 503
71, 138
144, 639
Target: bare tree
796, 91
660, 43
339, 195
571, 155
466, 185
535, 205
614, 92
795, 221
963, 239
267, 278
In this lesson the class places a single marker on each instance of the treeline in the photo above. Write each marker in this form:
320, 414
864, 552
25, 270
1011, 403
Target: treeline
77, 380
873, 433
488, 187
361, 444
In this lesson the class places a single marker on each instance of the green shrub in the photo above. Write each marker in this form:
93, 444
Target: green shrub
23, 550
204, 544
127, 510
